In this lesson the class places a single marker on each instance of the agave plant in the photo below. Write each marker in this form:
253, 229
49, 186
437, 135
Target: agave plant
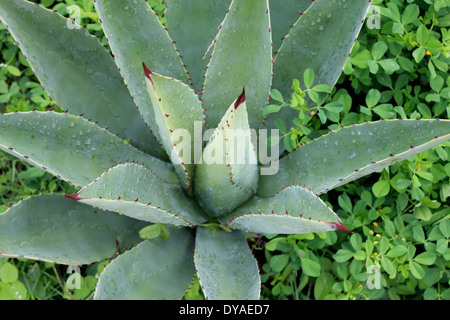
149, 165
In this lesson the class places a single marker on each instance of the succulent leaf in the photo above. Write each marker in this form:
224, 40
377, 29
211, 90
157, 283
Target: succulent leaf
242, 57
178, 111
133, 29
228, 175
294, 210
70, 147
136, 191
283, 15
193, 25
56, 229
327, 30
215, 189
77, 71
355, 151
321, 39
156, 269
225, 265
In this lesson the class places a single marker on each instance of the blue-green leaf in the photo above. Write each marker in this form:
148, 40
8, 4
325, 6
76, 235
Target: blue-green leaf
225, 265
77, 71
157, 269
57, 229
354, 151
242, 57
70, 147
192, 24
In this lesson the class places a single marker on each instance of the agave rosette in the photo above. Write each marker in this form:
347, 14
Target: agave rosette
131, 139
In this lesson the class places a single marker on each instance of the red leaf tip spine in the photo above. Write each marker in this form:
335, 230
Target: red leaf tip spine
240, 100
73, 196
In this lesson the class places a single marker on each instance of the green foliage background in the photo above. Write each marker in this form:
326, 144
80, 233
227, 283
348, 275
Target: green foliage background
399, 216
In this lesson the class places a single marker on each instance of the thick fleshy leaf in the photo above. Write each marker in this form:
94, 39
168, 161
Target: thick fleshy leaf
193, 25
294, 210
76, 70
228, 175
178, 114
352, 152
321, 39
283, 15
157, 269
136, 191
135, 35
225, 265
70, 147
242, 57
57, 229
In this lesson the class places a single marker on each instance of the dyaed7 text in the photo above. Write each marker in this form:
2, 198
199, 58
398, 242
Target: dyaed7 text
240, 309
227, 309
